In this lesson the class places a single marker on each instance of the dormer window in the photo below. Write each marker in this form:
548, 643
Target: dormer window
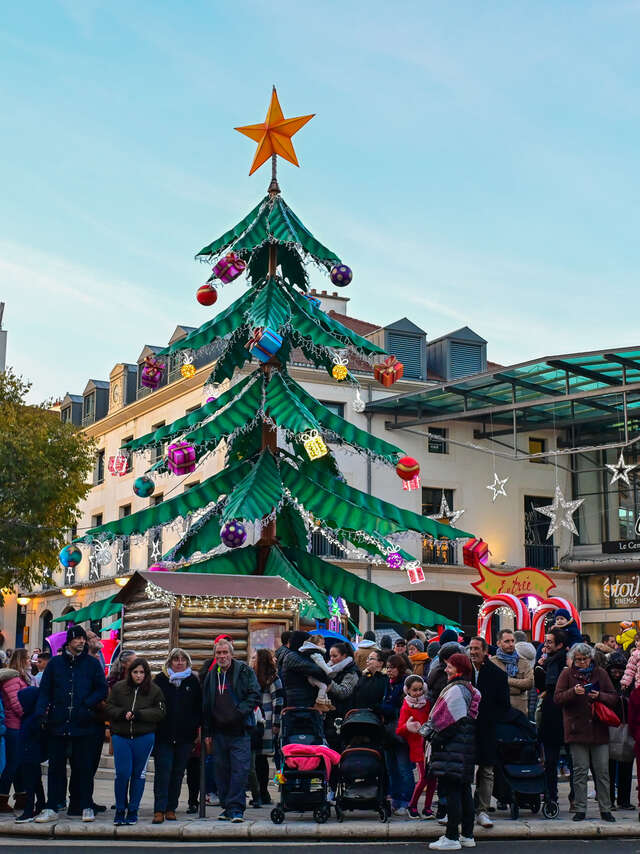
89, 409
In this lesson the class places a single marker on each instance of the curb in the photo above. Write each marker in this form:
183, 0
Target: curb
355, 829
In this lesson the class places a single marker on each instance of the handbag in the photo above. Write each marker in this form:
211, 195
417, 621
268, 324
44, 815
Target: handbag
605, 714
621, 742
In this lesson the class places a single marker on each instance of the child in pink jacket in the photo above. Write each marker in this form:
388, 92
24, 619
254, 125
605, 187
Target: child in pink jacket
631, 677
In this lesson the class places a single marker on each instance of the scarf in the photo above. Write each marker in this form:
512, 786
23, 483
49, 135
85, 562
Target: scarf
457, 700
510, 659
584, 672
415, 702
177, 678
340, 665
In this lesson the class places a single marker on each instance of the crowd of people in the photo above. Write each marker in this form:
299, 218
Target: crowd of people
440, 701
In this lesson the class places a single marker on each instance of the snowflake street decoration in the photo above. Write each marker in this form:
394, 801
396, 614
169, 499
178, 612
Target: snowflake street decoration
155, 551
497, 487
102, 554
561, 513
446, 516
120, 560
620, 471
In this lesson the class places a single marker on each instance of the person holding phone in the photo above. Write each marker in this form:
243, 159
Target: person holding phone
579, 686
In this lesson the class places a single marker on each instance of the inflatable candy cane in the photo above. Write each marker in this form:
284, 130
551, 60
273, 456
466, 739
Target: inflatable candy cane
490, 606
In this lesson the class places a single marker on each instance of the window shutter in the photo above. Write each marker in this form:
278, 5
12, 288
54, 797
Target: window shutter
466, 359
406, 348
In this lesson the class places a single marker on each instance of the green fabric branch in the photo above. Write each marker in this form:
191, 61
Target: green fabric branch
270, 308
234, 233
357, 590
205, 538
241, 412
195, 499
257, 494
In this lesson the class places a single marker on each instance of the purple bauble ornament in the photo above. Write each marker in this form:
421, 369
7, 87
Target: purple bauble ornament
341, 275
211, 399
233, 534
161, 566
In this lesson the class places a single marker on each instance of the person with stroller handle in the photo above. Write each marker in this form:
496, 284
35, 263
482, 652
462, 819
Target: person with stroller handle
451, 751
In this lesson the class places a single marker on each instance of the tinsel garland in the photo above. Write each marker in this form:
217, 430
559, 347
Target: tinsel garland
223, 603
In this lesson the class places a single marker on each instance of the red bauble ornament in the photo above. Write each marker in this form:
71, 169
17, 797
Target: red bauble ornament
207, 295
407, 468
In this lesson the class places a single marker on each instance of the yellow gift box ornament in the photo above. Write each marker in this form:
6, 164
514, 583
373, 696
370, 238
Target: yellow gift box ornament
339, 371
314, 444
188, 369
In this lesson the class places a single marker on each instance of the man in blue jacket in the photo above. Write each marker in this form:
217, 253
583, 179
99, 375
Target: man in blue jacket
72, 685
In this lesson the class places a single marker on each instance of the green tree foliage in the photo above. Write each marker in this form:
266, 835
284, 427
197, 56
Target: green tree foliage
43, 472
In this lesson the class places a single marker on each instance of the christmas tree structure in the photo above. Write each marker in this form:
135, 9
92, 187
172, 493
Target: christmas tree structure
280, 478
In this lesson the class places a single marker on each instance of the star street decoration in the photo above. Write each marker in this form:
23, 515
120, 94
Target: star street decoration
561, 513
620, 471
497, 487
446, 516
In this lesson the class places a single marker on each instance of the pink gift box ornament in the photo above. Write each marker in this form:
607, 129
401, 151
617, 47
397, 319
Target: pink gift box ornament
229, 268
416, 574
181, 458
151, 375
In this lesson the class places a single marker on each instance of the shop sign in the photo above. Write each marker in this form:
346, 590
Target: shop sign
521, 582
622, 592
615, 547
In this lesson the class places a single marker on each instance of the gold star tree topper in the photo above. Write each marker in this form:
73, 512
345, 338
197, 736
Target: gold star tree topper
274, 135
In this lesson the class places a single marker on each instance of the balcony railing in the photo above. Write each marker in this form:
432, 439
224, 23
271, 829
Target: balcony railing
439, 552
541, 555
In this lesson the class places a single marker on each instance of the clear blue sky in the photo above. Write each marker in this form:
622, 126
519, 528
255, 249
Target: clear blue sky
475, 163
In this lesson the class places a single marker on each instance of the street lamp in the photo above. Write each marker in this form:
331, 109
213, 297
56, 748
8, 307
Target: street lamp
68, 592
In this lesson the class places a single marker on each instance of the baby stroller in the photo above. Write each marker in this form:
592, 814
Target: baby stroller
302, 791
519, 774
362, 780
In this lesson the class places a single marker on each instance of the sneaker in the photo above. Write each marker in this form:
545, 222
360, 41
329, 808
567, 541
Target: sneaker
445, 844
606, 816
413, 812
580, 816
237, 818
443, 820
46, 816
132, 817
483, 820
212, 799
119, 818
24, 818
88, 814
400, 811
467, 842
223, 816
427, 815
98, 808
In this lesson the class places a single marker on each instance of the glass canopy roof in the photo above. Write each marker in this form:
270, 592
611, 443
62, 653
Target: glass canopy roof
600, 389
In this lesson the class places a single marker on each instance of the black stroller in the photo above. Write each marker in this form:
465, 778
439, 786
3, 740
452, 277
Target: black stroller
302, 791
362, 780
519, 774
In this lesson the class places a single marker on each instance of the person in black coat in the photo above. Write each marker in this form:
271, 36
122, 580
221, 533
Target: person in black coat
176, 733
372, 685
31, 752
295, 670
72, 685
492, 683
551, 728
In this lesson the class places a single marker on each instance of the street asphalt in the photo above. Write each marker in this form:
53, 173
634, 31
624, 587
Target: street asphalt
595, 846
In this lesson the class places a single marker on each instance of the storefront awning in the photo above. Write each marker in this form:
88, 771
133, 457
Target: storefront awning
94, 611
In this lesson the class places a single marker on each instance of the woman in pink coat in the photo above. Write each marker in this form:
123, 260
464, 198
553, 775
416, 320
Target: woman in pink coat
13, 678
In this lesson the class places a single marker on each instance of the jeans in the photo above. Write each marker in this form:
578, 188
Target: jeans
131, 756
484, 787
11, 773
599, 756
620, 773
232, 756
81, 750
400, 771
459, 806
170, 762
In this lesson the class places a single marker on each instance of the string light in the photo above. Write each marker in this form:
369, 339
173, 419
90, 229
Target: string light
224, 603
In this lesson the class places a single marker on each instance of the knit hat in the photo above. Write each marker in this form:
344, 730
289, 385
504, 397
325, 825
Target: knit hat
75, 632
519, 636
617, 660
385, 642
448, 649
369, 635
562, 612
526, 650
434, 648
448, 635
417, 643
625, 624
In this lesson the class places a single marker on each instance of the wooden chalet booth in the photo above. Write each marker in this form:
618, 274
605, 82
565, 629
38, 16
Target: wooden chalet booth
162, 610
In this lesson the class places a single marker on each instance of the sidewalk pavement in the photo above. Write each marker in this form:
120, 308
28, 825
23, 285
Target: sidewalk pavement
356, 825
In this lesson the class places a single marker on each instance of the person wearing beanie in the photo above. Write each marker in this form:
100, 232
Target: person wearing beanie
385, 642
418, 657
627, 634
564, 621
519, 670
363, 649
449, 636
72, 685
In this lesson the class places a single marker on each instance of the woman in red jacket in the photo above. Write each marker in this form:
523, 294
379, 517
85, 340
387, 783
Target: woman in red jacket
413, 714
12, 679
